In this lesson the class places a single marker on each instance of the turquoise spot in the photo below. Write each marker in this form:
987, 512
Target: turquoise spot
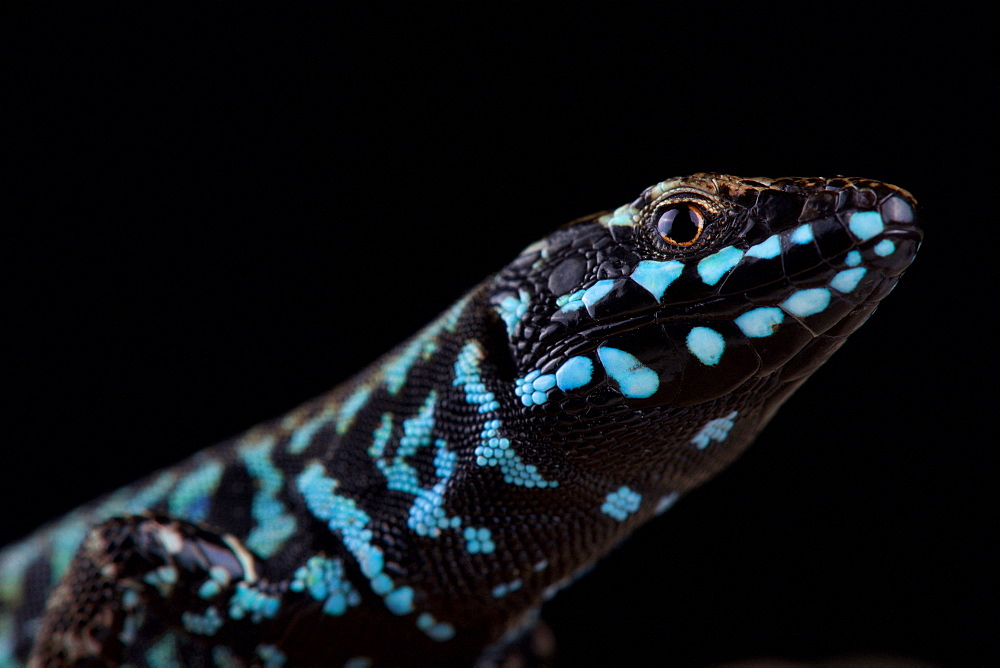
803, 234
467, 377
716, 431
761, 321
595, 292
884, 247
271, 656
804, 303
621, 503
706, 344
400, 601
204, 624
342, 515
635, 379
656, 276
161, 653
715, 266
505, 588
845, 281
273, 525
767, 249
512, 308
866, 224
258, 604
574, 372
623, 215
323, 578
382, 584
435, 630
532, 388
302, 437
351, 406
571, 301
853, 258
478, 541
192, 497
494, 449
397, 370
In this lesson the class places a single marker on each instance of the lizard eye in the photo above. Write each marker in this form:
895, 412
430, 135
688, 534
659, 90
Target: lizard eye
680, 224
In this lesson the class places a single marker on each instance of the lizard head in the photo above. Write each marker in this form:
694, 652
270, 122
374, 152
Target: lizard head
702, 287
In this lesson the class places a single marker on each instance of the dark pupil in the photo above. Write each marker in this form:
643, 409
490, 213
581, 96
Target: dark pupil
678, 224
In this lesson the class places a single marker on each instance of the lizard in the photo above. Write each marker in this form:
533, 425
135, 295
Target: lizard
424, 510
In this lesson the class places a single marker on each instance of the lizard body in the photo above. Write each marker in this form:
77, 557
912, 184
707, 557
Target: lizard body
423, 511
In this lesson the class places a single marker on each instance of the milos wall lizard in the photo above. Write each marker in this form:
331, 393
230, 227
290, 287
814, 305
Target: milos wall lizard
423, 511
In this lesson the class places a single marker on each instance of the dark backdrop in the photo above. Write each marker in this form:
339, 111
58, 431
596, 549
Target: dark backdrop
214, 212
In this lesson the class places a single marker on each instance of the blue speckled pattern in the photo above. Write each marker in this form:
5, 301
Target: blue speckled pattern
422, 512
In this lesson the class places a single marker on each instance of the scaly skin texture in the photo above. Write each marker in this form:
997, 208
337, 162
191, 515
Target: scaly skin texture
423, 511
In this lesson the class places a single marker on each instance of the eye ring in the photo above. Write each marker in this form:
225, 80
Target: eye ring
680, 223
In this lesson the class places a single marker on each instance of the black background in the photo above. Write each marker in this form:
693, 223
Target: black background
215, 212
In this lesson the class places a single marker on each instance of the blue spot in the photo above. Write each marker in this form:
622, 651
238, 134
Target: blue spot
382, 584
574, 372
845, 281
621, 503
209, 589
802, 234
161, 653
715, 266
397, 369
163, 579
884, 248
427, 515
623, 215
706, 344
273, 526
804, 303
351, 406
505, 588
205, 624
435, 630
511, 309
571, 301
324, 579
478, 541
853, 258
635, 379
767, 249
258, 604
532, 388
595, 292
716, 431
467, 377
271, 656
400, 601
761, 321
494, 449
342, 515
302, 437
192, 497
866, 224
656, 276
